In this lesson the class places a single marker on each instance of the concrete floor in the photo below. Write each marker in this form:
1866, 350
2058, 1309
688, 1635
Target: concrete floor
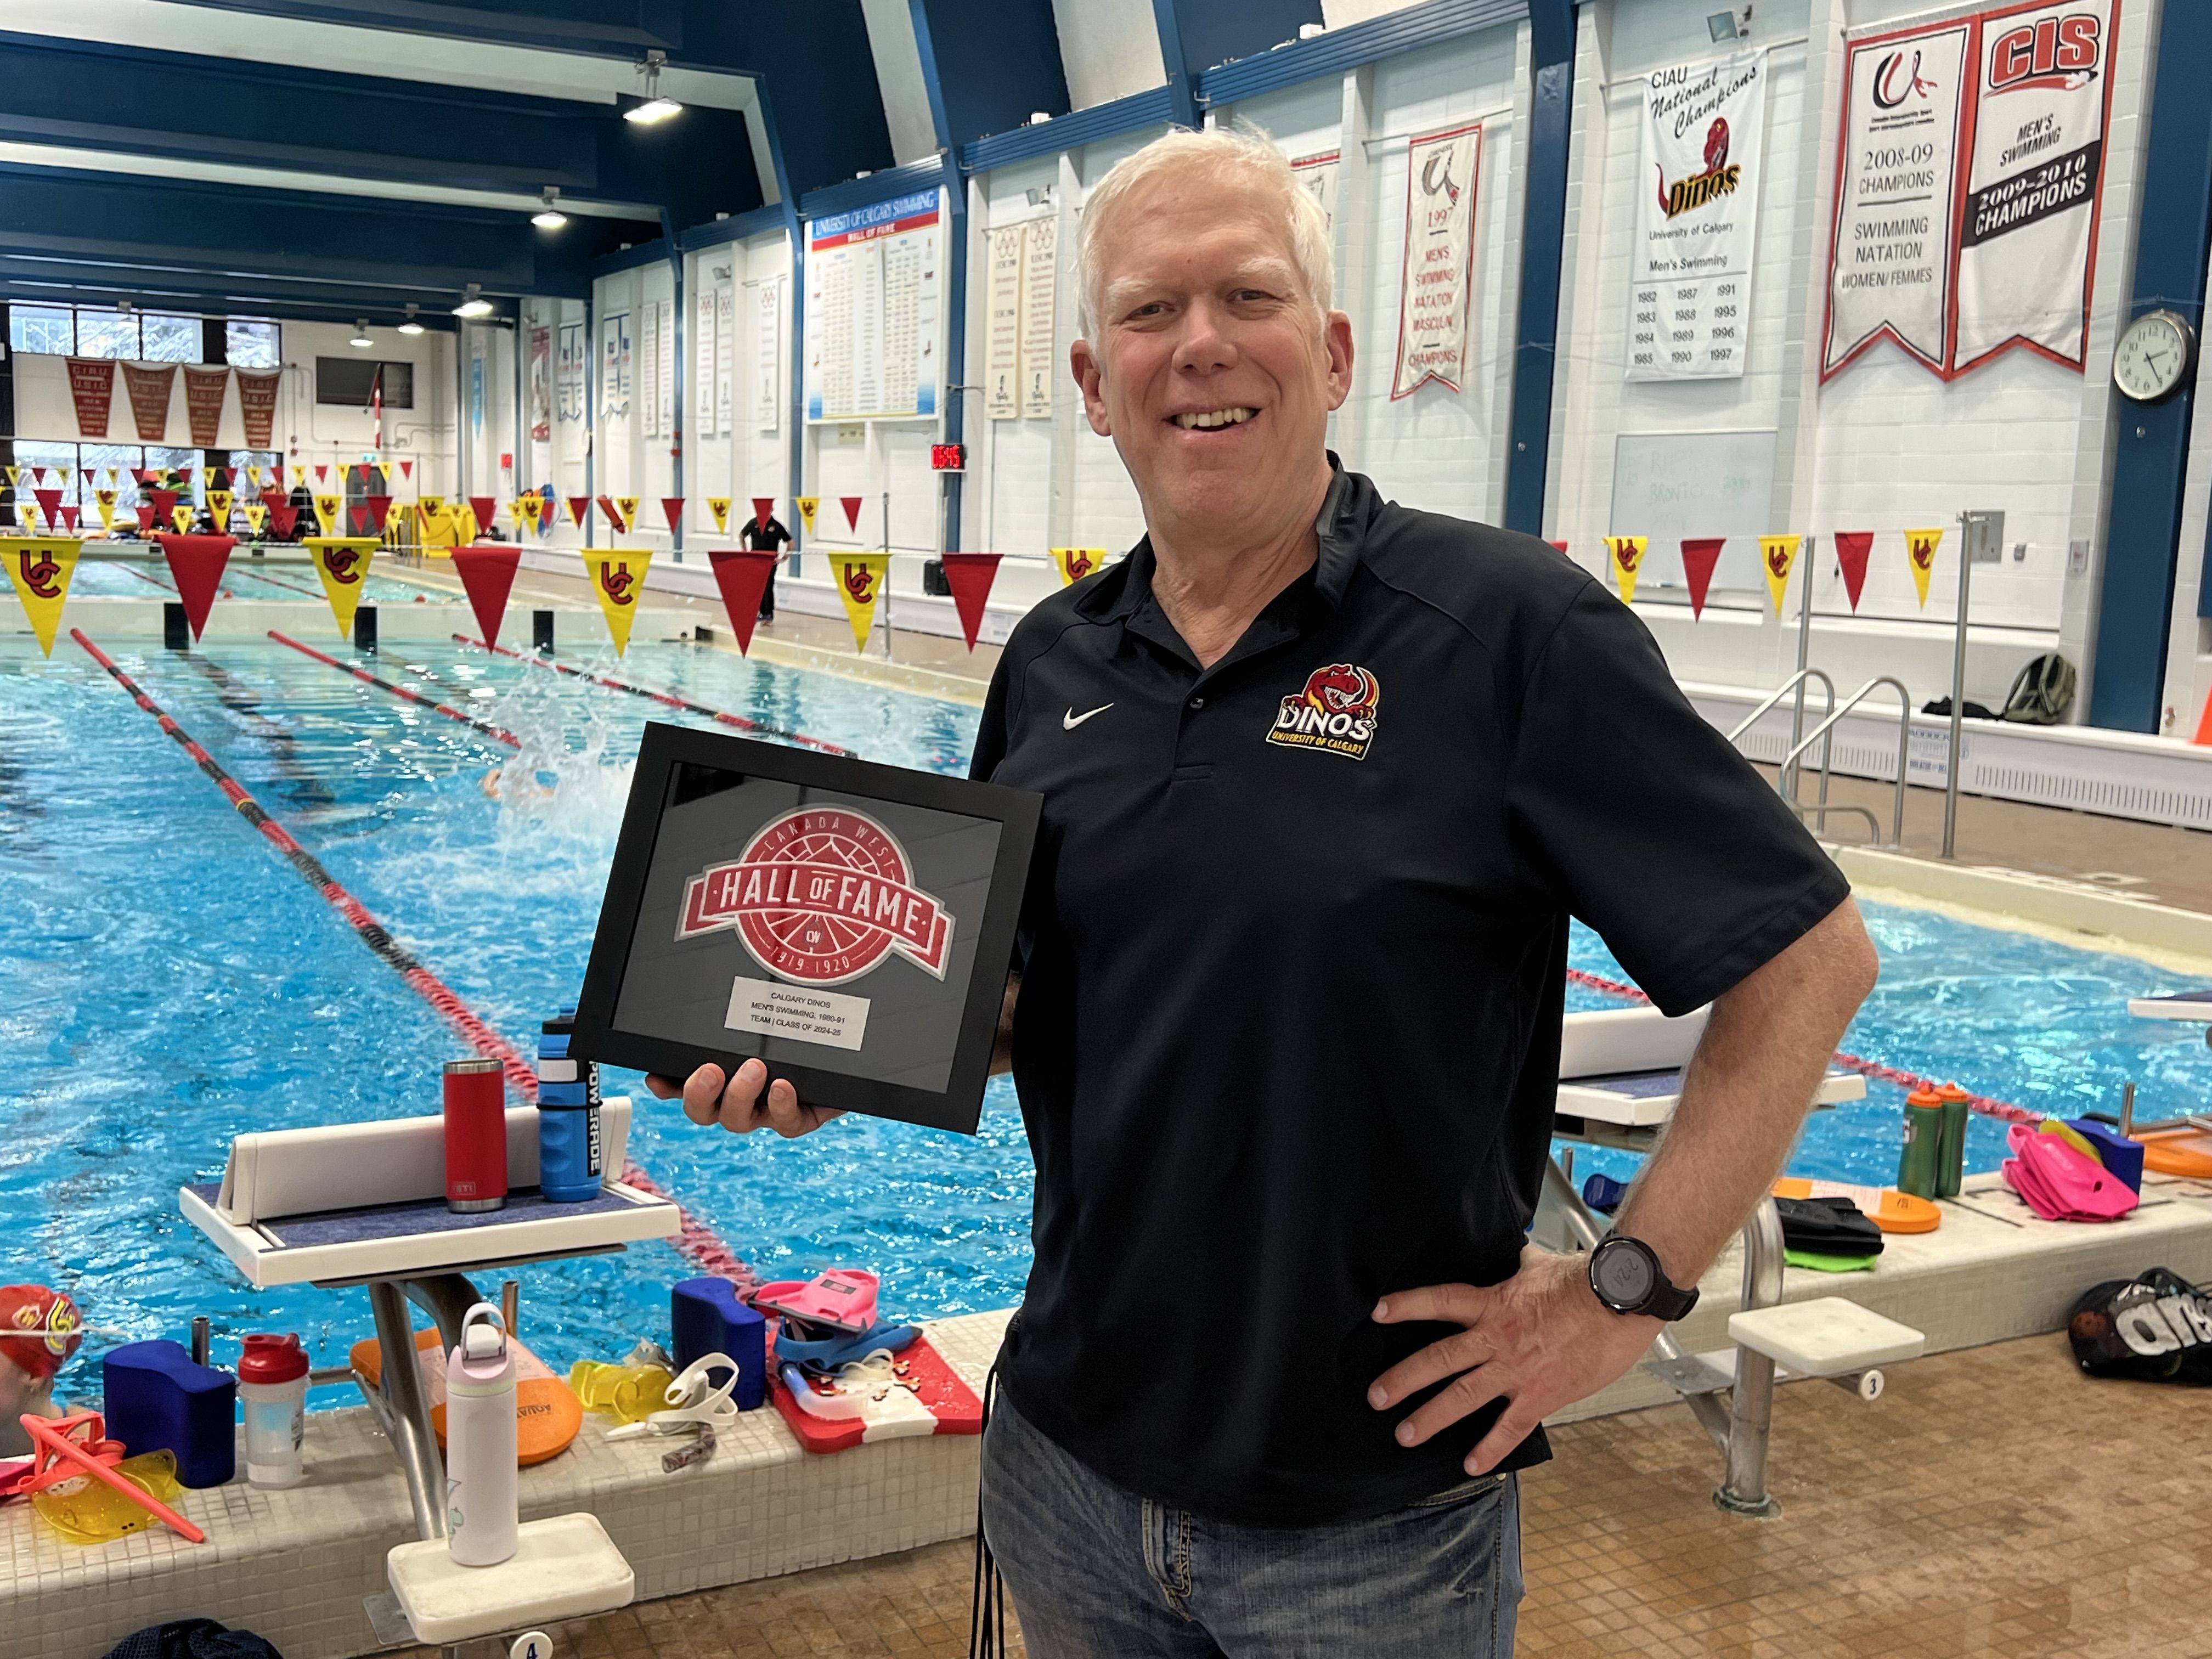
1993, 1501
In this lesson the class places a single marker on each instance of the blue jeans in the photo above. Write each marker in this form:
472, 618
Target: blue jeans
1096, 1572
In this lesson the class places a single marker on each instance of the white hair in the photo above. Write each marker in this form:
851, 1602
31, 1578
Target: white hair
1214, 152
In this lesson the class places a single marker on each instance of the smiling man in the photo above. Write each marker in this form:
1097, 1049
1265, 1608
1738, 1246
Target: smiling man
1324, 780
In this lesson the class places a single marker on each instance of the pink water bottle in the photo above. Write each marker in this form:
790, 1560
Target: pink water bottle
480, 1442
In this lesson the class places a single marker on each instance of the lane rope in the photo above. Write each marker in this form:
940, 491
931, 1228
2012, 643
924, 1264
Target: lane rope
669, 698
695, 1240
451, 714
1985, 1104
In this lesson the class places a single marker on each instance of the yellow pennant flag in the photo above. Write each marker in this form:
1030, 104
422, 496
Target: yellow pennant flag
106, 499
1074, 564
15, 477
343, 563
108, 476
430, 503
181, 516
219, 504
1626, 553
326, 514
628, 505
617, 580
806, 505
719, 507
1777, 554
40, 567
299, 477
859, 585
61, 476
395, 516
1920, 551
257, 514
465, 528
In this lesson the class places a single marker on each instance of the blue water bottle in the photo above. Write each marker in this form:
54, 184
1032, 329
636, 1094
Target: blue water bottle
569, 1170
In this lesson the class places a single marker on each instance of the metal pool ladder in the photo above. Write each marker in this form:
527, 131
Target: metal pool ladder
1789, 772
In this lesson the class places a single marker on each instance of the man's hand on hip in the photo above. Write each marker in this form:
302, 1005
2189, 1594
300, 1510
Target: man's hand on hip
1540, 1341
744, 1101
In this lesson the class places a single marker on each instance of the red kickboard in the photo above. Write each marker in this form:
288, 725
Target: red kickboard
941, 1391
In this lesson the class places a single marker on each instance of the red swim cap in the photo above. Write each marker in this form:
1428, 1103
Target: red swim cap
39, 1329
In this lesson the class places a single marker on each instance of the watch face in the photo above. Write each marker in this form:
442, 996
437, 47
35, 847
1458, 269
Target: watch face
2151, 357
1623, 1276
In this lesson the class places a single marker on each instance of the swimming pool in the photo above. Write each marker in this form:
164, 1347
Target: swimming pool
245, 577
171, 984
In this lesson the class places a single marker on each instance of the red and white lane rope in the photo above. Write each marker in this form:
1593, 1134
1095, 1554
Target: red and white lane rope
451, 714
1989, 1107
669, 698
695, 1241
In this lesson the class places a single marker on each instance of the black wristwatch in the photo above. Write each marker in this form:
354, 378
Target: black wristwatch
1625, 1275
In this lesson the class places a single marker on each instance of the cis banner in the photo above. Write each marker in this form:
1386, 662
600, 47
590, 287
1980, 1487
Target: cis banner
1970, 184
1697, 214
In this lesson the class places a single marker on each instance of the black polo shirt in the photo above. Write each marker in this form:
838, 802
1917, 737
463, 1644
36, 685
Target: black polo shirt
1291, 978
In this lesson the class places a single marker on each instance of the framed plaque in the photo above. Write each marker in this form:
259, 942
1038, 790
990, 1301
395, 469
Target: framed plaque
851, 924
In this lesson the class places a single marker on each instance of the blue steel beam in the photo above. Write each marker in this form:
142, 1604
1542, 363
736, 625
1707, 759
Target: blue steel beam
989, 64
2150, 460
433, 316
1543, 237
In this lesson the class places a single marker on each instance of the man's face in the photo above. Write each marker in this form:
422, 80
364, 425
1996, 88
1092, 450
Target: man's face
1212, 370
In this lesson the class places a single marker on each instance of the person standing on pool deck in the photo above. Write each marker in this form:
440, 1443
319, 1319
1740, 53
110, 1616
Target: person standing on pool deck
1324, 779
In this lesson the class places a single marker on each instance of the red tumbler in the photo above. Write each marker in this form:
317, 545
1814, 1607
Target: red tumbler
476, 1135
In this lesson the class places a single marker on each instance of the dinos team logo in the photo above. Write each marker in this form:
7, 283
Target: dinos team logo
1720, 178
819, 896
1336, 712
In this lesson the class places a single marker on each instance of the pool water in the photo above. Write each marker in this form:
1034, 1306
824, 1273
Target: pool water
172, 983
244, 577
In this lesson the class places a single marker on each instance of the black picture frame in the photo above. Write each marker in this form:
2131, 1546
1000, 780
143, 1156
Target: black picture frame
958, 1105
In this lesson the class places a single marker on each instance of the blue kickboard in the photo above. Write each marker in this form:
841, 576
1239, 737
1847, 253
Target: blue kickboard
415, 1217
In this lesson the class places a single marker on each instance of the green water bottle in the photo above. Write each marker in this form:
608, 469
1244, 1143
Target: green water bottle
1951, 1145
1923, 1132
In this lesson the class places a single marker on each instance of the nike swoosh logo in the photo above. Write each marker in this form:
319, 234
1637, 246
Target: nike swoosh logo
1070, 719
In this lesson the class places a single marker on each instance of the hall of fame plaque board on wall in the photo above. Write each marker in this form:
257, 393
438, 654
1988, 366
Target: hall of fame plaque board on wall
851, 924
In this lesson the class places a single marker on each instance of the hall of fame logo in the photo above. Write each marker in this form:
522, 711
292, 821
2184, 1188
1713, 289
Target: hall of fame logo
821, 895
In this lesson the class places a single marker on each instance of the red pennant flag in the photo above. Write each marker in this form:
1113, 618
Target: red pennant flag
1699, 556
486, 508
38, 475
322, 475
614, 518
671, 508
579, 506
763, 506
377, 510
742, 574
196, 565
970, 575
852, 506
70, 517
283, 515
488, 574
1562, 546
50, 503
1852, 547
145, 516
165, 504
407, 469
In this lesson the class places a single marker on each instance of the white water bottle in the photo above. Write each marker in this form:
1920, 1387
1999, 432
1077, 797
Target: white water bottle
480, 1448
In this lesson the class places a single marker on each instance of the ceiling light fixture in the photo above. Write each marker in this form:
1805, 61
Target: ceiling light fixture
361, 334
473, 304
655, 109
549, 217
411, 326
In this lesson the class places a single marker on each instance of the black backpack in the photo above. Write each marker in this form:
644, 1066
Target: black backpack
2156, 1328
2041, 692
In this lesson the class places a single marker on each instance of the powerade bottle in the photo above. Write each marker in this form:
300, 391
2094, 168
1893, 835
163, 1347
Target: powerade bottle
569, 1170
1917, 1166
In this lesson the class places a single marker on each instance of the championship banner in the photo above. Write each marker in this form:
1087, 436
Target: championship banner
1438, 272
1700, 555
970, 575
343, 563
2035, 173
257, 404
256, 516
487, 576
719, 507
1920, 547
1777, 555
1696, 219
204, 394
41, 568
671, 508
326, 513
1852, 547
859, 585
742, 575
149, 386
579, 506
1074, 564
617, 579
105, 498
91, 389
1626, 555
806, 504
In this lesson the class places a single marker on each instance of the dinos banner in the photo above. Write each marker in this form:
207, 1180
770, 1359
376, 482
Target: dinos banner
1697, 217
42, 567
343, 563
617, 580
1969, 186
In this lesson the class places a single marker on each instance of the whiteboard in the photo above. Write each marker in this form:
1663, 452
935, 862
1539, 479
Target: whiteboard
1668, 485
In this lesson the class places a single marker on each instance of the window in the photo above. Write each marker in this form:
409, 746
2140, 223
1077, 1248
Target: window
106, 334
252, 343
50, 329
169, 339
85, 332
344, 382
